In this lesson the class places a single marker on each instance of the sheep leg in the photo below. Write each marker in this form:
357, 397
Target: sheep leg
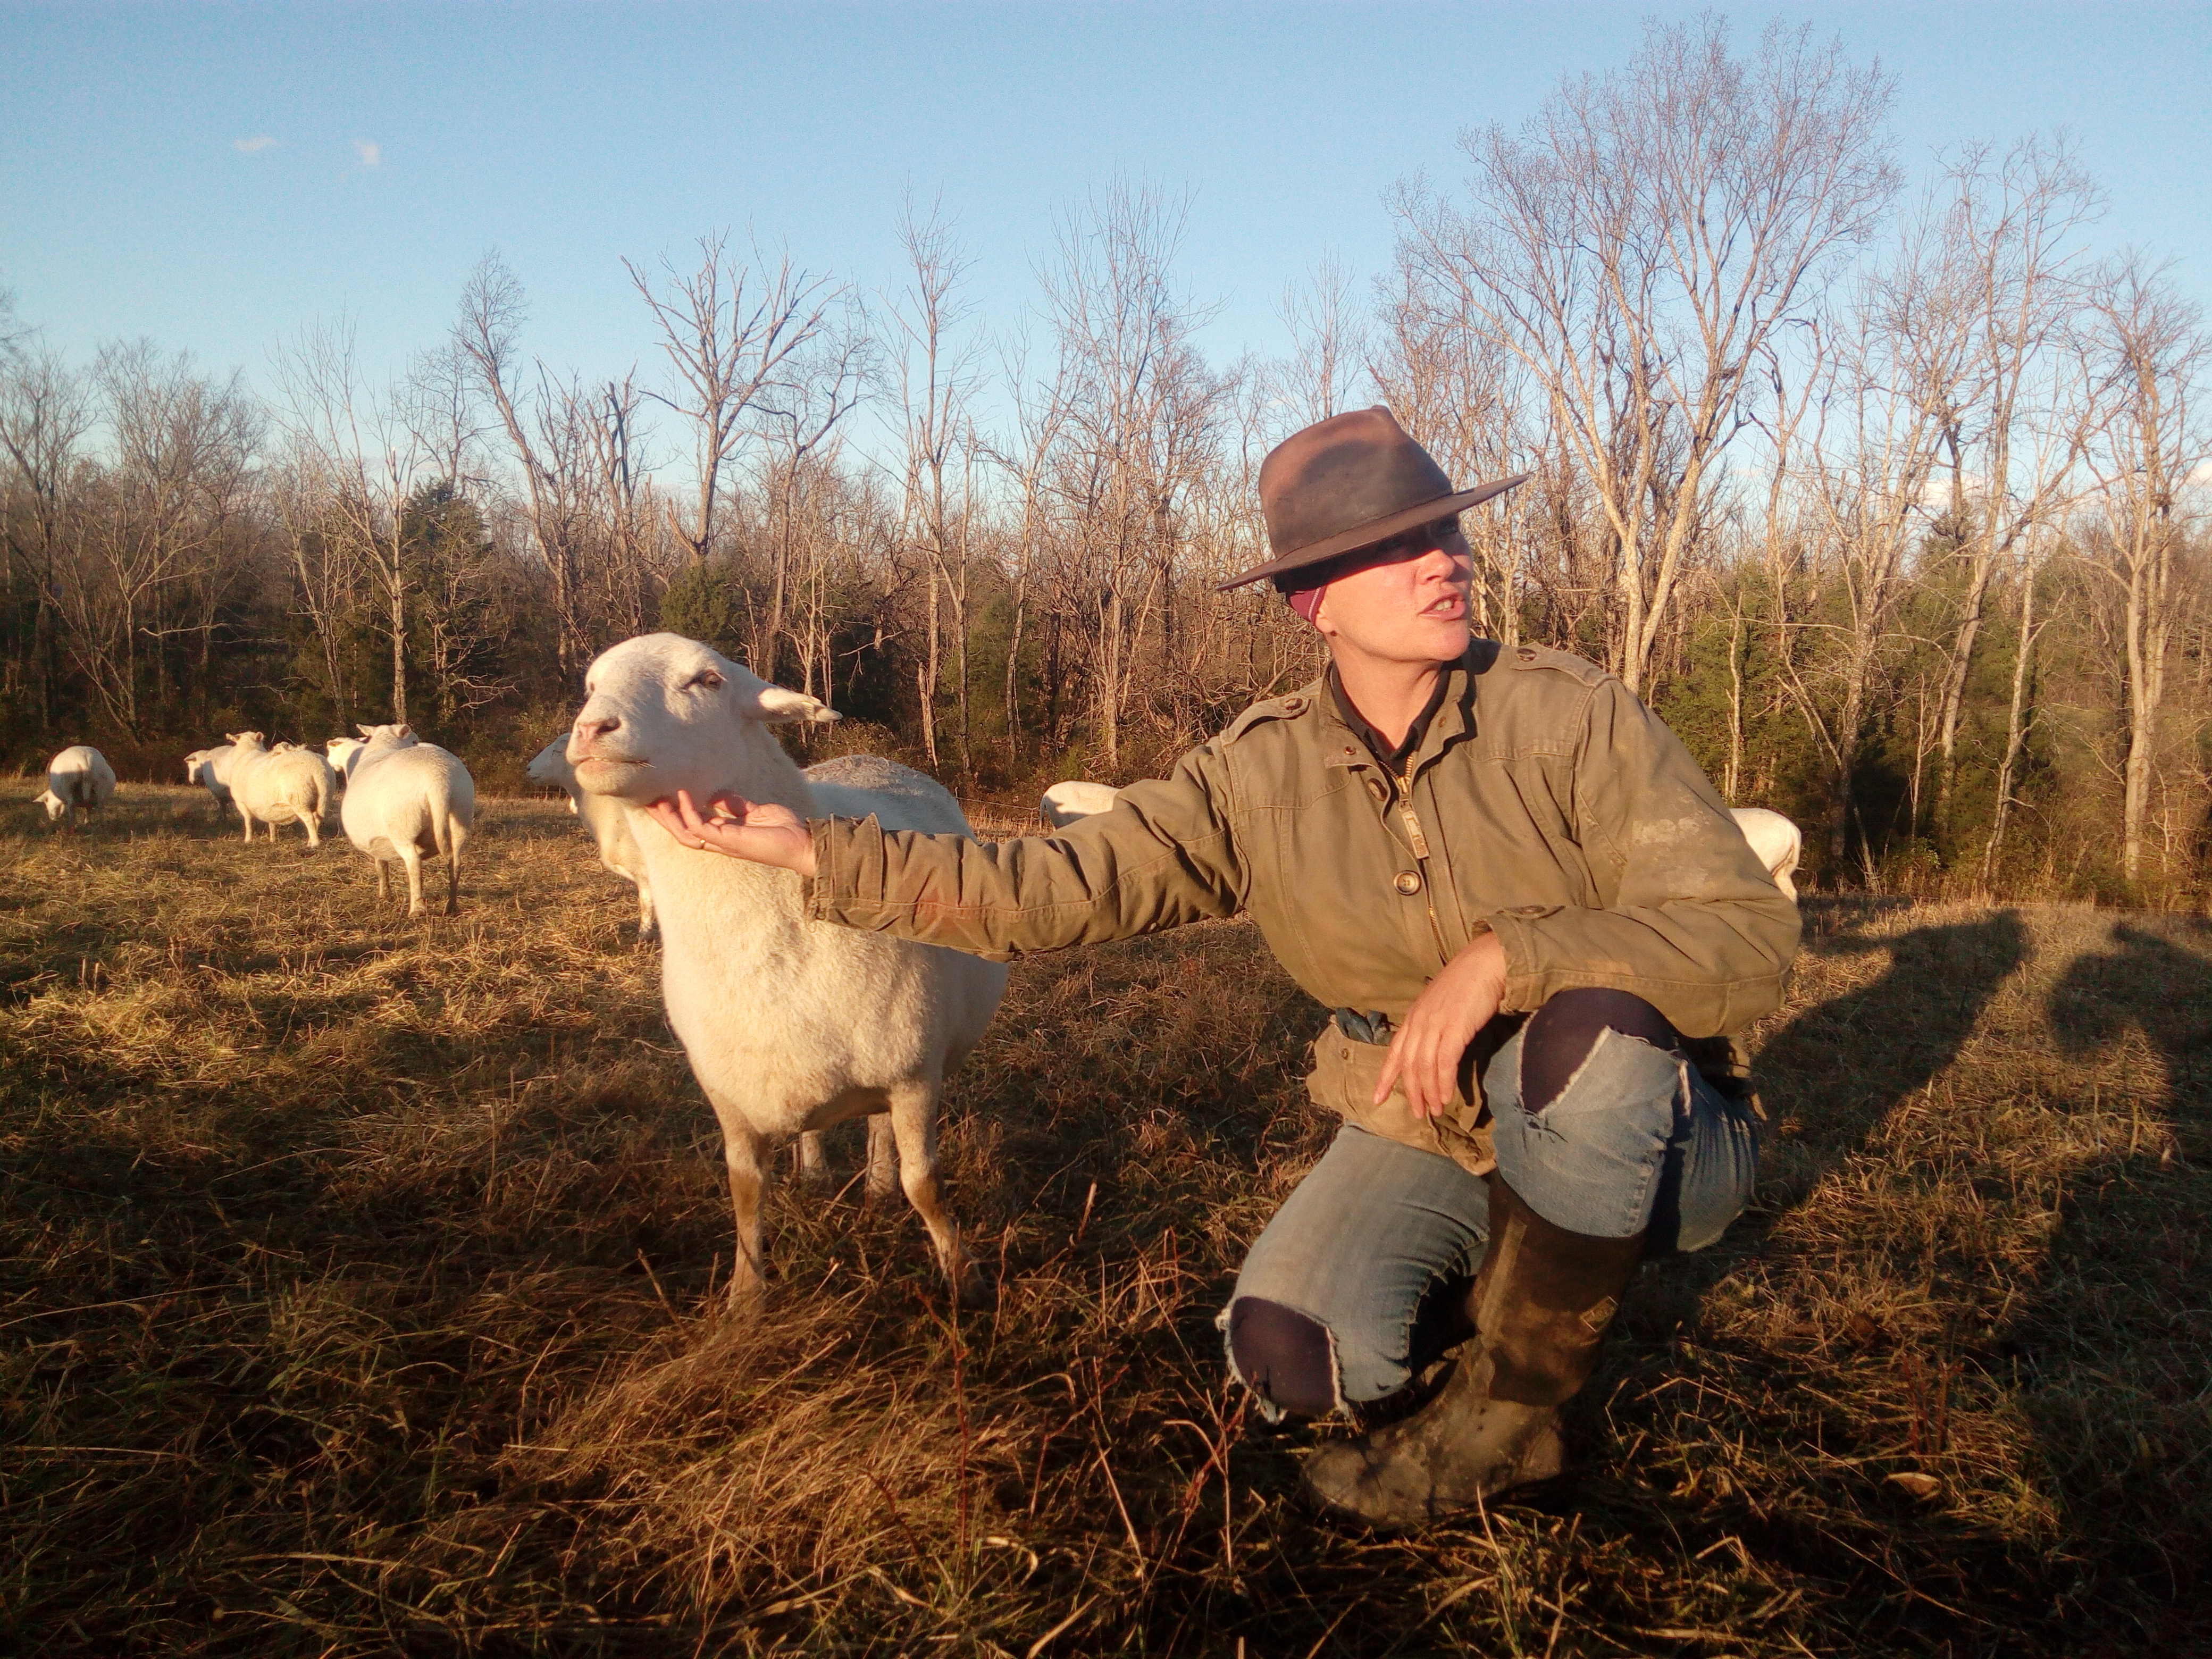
383, 878
453, 876
742, 1150
913, 1125
315, 831
649, 924
813, 1161
883, 1158
412, 858
246, 818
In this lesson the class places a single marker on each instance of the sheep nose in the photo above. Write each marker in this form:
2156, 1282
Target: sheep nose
588, 730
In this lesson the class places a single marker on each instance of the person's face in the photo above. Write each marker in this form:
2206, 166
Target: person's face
1413, 610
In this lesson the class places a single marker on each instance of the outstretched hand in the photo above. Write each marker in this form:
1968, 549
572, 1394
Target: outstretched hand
1427, 1047
760, 832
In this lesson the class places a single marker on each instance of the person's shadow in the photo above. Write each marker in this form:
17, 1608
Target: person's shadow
2114, 1355
1835, 1077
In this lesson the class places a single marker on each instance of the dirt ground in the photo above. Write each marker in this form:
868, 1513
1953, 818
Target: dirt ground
360, 1293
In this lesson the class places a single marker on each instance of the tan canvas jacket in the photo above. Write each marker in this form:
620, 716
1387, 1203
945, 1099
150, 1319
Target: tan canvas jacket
1544, 802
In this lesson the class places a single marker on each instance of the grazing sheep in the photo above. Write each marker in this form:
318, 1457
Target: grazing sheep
79, 779
210, 769
609, 822
790, 1025
1064, 802
407, 800
1775, 840
275, 786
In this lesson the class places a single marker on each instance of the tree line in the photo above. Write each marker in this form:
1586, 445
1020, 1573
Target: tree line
1887, 488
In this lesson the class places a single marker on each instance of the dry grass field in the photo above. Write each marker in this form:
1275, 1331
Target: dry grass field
359, 1286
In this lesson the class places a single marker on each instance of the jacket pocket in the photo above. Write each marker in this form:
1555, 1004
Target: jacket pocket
1343, 1080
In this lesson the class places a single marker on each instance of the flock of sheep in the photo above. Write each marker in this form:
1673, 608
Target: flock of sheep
868, 1025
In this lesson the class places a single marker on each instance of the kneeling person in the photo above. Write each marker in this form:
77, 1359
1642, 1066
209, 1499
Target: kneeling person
1533, 917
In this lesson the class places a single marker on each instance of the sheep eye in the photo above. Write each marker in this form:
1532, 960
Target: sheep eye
706, 680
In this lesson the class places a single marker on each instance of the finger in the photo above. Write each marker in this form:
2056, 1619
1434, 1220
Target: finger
1385, 1083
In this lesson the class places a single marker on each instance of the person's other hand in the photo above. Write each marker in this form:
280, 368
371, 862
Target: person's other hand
1425, 1050
759, 831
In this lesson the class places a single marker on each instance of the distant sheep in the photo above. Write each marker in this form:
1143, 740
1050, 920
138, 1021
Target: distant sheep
790, 1025
608, 820
1064, 802
1775, 840
210, 769
407, 800
278, 786
78, 780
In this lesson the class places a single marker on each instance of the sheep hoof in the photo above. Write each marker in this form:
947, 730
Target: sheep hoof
748, 1300
977, 1293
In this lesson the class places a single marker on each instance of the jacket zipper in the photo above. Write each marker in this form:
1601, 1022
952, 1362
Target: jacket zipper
1421, 856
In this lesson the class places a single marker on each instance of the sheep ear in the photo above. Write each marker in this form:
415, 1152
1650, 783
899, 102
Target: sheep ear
781, 708
403, 731
366, 730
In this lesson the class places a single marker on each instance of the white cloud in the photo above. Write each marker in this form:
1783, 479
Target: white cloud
370, 154
259, 142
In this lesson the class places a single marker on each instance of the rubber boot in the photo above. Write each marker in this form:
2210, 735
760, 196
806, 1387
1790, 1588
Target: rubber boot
1540, 1303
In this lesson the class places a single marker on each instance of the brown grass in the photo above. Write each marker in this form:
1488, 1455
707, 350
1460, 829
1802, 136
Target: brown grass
359, 1286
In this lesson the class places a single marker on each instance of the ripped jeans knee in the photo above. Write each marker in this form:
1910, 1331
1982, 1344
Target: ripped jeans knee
1603, 1125
1348, 1291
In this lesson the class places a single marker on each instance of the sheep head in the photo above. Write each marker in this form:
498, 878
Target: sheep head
549, 765
341, 753
54, 804
662, 713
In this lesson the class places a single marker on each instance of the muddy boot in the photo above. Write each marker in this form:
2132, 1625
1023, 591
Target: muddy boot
1541, 1303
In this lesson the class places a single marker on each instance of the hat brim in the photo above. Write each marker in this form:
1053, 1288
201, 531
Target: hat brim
1379, 530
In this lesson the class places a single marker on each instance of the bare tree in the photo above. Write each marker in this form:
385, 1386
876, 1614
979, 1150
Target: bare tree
181, 446
2015, 438
1639, 245
44, 414
2152, 353
1327, 363
545, 434
936, 375
368, 458
731, 330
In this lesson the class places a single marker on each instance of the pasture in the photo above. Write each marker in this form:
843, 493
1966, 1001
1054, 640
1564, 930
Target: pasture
360, 1288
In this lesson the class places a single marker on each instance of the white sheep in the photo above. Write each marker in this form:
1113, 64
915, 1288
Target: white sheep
341, 753
407, 800
279, 785
608, 820
1776, 841
79, 779
789, 1025
1064, 802
210, 769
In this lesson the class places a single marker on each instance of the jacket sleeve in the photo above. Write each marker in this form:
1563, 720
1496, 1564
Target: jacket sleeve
1163, 856
1691, 921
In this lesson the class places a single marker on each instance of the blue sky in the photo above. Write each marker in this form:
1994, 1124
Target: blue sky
136, 199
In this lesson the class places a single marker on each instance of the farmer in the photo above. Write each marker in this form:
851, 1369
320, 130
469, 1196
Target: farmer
1493, 865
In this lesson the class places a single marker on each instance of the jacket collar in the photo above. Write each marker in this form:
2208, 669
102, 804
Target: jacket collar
1454, 719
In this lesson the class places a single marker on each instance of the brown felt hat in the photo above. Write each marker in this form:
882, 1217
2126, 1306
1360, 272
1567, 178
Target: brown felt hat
1347, 482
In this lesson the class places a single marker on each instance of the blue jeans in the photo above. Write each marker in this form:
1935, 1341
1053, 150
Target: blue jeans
1373, 1244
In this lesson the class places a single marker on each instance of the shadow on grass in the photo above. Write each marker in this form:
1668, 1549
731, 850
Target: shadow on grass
2115, 1354
1832, 1077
